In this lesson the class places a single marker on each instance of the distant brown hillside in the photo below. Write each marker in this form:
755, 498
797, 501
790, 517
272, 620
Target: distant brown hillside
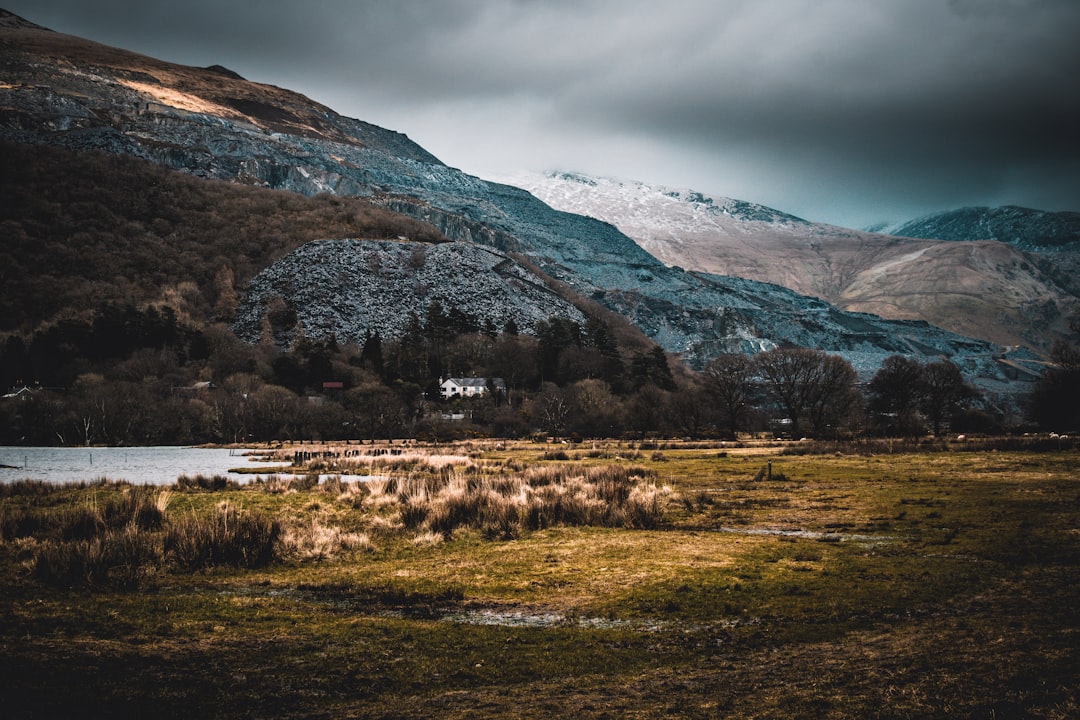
81, 229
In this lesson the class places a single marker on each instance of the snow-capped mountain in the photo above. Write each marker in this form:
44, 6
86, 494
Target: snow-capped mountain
663, 221
208, 122
983, 289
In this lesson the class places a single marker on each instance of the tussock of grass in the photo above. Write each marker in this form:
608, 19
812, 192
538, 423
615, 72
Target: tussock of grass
111, 540
117, 557
428, 539
228, 536
120, 539
204, 482
312, 539
95, 514
506, 506
281, 484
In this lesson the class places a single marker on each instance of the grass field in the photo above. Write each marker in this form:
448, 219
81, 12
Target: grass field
519, 580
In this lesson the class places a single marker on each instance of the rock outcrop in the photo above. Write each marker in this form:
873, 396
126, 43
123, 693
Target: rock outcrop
352, 288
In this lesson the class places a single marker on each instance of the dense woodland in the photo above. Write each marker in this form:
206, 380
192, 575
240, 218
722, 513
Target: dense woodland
120, 278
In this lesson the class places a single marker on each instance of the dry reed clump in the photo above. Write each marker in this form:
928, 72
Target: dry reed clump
411, 462
33, 488
228, 536
428, 539
379, 493
285, 484
380, 525
505, 506
202, 482
139, 506
119, 557
114, 540
312, 539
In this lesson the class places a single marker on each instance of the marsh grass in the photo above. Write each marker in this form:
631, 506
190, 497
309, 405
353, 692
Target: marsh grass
958, 443
403, 462
862, 585
504, 507
118, 535
110, 538
315, 539
229, 536
212, 483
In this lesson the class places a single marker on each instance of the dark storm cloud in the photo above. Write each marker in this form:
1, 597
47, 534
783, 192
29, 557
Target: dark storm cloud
840, 110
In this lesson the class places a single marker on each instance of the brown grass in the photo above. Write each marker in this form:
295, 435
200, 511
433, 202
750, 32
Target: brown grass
888, 586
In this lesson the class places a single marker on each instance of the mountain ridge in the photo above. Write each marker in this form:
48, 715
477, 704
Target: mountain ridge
978, 288
1022, 227
210, 125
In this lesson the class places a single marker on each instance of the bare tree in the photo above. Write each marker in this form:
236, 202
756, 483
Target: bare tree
790, 376
896, 391
944, 391
375, 409
730, 382
834, 397
808, 384
553, 408
1055, 400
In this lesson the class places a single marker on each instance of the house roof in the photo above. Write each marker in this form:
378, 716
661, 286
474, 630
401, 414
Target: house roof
474, 382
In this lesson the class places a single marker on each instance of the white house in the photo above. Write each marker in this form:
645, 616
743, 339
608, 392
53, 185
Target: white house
469, 386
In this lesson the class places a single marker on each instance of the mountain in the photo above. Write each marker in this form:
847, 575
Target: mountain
983, 289
1024, 228
1051, 239
209, 122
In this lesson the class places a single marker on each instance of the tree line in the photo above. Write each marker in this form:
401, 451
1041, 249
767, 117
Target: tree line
130, 375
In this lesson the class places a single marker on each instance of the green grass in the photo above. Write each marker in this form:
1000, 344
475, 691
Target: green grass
909, 585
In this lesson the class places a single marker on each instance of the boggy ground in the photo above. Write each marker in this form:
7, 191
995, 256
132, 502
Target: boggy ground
847, 586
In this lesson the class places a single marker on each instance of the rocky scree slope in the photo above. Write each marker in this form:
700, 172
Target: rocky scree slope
349, 288
72, 92
982, 289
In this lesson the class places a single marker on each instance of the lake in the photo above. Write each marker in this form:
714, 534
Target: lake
139, 465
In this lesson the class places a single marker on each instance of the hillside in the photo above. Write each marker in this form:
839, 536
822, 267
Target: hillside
349, 288
209, 123
90, 228
1051, 239
982, 289
1021, 227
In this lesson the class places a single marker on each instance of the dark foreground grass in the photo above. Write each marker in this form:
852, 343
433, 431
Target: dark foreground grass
855, 587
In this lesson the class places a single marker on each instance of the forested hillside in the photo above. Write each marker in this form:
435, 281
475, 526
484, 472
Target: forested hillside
120, 279
82, 230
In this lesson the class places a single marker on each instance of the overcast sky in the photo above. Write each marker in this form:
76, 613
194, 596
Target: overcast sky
842, 111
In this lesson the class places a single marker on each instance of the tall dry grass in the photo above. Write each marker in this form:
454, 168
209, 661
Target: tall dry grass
119, 557
121, 538
414, 462
228, 536
113, 540
506, 506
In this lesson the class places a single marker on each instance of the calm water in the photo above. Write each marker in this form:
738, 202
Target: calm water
154, 465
